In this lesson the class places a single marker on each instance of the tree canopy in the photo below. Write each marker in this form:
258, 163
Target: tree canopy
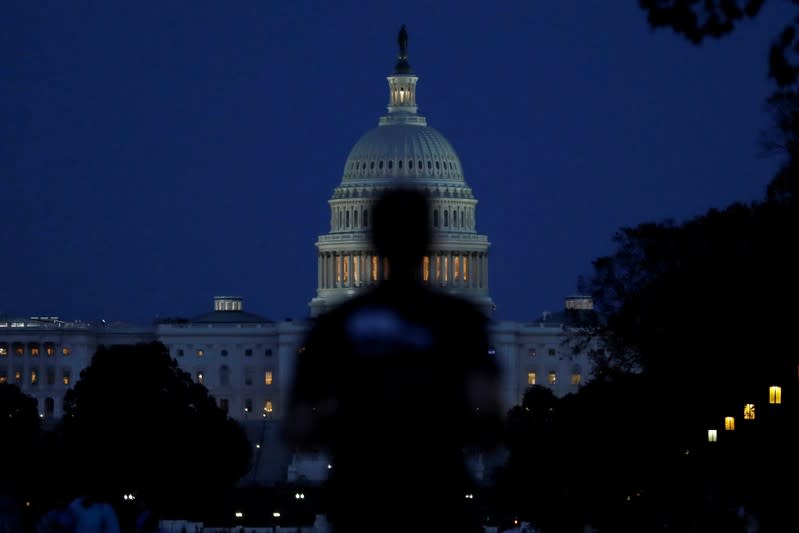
135, 422
698, 20
19, 438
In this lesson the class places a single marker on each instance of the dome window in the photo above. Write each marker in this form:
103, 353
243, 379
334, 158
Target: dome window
410, 164
390, 163
429, 165
399, 163
437, 166
420, 164
380, 165
446, 218
355, 218
372, 165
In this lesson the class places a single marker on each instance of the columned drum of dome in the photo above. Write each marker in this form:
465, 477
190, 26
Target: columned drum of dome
402, 149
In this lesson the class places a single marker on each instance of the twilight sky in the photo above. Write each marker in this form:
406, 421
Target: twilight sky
156, 154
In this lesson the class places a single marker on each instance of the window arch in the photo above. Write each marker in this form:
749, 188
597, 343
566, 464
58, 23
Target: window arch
365, 218
435, 218
446, 218
355, 218
347, 218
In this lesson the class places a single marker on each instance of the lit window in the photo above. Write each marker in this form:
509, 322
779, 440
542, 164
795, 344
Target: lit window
268, 406
456, 267
18, 376
356, 267
3, 349
749, 411
426, 268
374, 268
201, 378
49, 349
712, 435
34, 348
67, 377
3, 376
552, 378
531, 378
268, 377
729, 423
34, 376
248, 405
19, 349
577, 379
775, 394
465, 268
66, 351
200, 353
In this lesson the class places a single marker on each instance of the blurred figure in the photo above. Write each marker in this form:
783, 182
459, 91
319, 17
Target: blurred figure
396, 385
93, 515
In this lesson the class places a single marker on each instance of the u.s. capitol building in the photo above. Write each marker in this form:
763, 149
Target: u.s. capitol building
246, 360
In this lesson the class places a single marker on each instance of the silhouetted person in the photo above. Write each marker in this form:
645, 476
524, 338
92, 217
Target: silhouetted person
395, 384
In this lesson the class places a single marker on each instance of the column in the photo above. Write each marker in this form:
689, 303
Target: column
319, 269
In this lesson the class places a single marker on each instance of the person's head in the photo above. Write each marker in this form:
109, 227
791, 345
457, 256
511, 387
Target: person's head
401, 228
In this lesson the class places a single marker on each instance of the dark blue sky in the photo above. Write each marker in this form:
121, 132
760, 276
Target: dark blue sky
155, 154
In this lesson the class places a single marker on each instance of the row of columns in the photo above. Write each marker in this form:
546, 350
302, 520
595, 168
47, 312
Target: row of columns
359, 269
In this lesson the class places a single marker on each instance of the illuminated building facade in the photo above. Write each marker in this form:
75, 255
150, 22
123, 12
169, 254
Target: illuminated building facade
246, 361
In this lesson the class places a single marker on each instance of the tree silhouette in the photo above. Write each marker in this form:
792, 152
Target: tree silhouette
699, 20
135, 422
19, 439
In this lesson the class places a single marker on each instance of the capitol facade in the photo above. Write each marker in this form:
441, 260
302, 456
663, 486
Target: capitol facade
246, 361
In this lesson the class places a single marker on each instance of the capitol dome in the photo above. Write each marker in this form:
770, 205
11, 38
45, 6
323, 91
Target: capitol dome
402, 149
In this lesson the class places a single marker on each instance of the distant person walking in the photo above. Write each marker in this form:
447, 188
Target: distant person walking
396, 384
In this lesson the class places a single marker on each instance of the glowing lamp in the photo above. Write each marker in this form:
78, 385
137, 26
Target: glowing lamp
712, 435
